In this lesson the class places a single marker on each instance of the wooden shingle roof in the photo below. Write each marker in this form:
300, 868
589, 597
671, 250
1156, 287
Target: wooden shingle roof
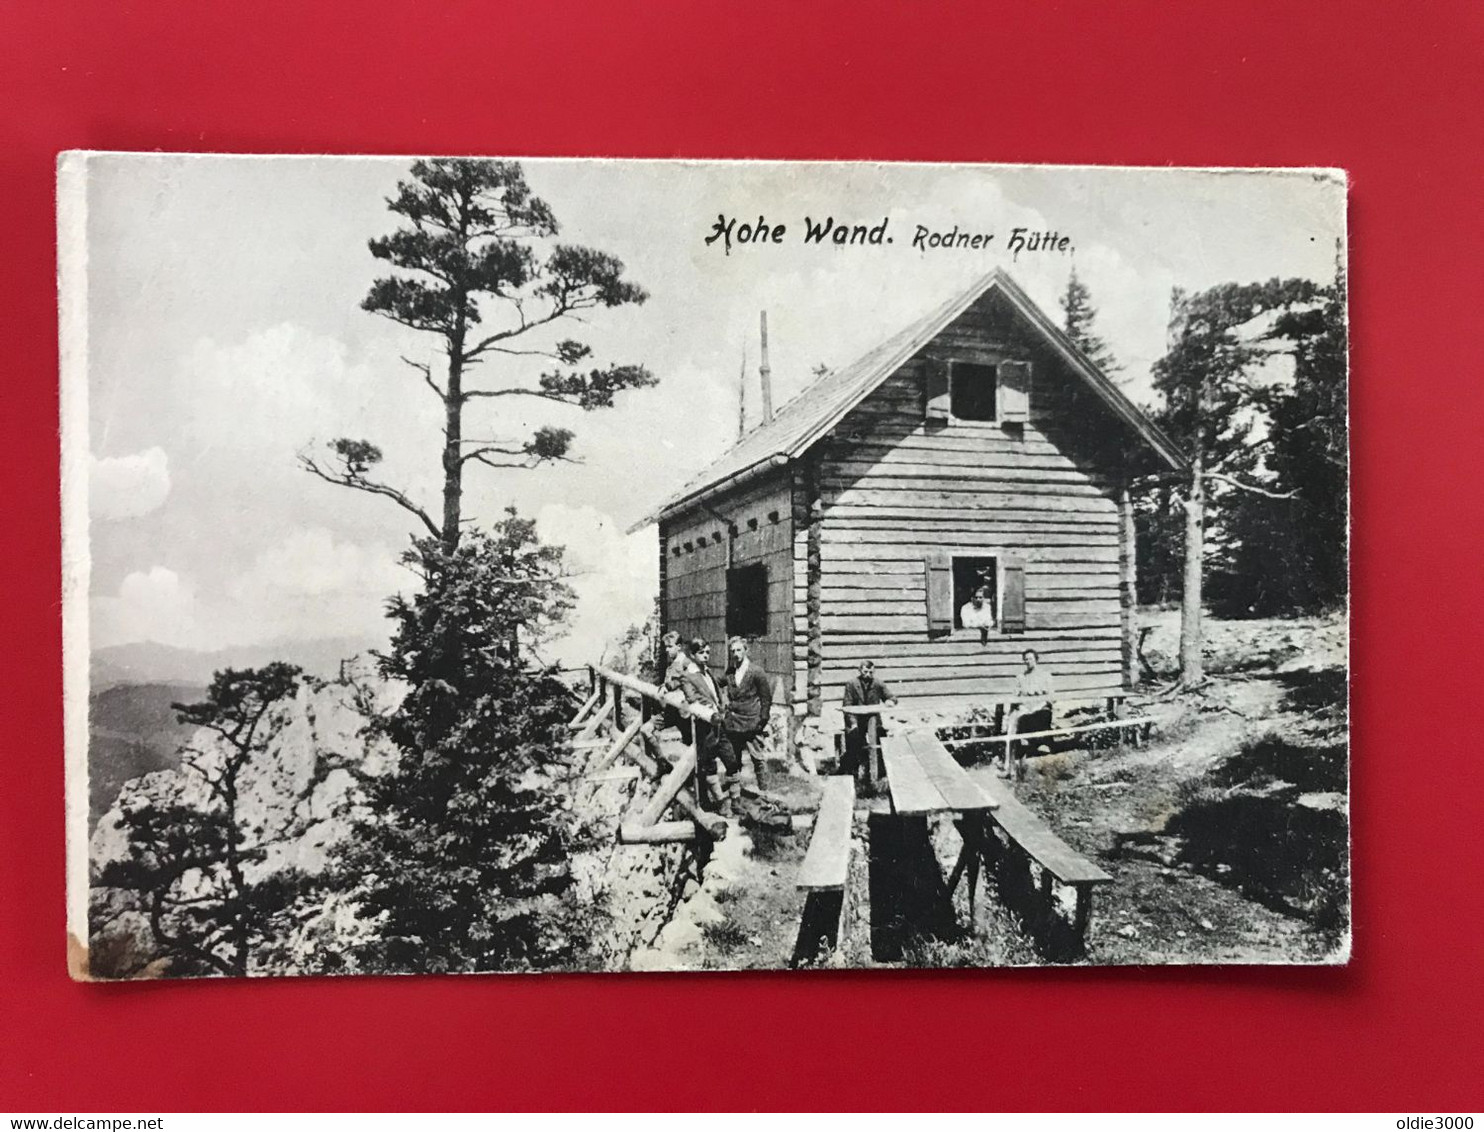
810, 415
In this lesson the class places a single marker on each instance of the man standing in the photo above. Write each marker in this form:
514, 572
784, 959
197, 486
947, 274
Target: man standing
749, 704
675, 664
701, 687
1030, 711
864, 691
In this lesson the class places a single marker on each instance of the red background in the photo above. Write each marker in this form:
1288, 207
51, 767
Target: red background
1391, 92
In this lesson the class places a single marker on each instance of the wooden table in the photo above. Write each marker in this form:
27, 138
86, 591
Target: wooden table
923, 779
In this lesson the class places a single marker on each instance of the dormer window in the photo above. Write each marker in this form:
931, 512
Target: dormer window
972, 391
978, 391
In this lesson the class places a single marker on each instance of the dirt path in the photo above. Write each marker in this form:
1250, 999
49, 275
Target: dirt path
1209, 831
1113, 806
1157, 909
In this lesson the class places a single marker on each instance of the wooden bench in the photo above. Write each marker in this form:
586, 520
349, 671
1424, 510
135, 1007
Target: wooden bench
1020, 838
1131, 729
998, 829
825, 873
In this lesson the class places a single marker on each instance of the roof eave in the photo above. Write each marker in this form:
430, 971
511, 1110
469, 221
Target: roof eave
701, 494
1101, 383
890, 365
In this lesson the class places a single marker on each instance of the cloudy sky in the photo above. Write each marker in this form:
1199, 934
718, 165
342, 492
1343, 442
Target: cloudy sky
225, 335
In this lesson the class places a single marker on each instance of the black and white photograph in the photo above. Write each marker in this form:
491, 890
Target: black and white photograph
485, 565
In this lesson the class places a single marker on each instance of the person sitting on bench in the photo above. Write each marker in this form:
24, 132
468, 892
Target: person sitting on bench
1030, 711
864, 690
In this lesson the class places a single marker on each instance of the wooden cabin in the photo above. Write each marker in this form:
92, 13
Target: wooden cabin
978, 447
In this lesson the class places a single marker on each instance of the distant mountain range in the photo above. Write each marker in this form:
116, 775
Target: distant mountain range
132, 730
150, 663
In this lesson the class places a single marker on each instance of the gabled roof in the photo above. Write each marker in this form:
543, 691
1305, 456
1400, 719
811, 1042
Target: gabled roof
821, 406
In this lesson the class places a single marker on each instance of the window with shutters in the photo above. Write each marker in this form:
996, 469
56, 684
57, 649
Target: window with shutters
975, 578
954, 581
961, 390
747, 601
973, 391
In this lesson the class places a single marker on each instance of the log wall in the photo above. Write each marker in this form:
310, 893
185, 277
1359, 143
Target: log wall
696, 549
896, 487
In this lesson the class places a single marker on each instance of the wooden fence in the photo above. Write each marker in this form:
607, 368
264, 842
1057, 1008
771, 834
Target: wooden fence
621, 717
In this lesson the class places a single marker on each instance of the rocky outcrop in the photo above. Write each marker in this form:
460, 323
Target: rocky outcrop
295, 803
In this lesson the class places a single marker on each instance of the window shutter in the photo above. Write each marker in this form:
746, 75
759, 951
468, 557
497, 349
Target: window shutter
1012, 595
939, 593
937, 390
1015, 392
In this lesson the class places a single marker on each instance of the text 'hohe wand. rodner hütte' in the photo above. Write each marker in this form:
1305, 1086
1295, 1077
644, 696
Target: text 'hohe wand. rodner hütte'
830, 233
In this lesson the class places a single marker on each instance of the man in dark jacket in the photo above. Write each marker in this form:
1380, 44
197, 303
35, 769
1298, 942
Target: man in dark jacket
862, 732
701, 687
749, 703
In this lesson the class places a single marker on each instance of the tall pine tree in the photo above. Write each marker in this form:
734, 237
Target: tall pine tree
474, 266
1203, 379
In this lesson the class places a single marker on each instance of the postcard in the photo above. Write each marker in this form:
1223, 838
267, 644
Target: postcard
515, 565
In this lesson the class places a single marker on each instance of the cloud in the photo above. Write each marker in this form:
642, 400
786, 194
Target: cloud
309, 585
151, 605
616, 578
125, 487
314, 562
249, 406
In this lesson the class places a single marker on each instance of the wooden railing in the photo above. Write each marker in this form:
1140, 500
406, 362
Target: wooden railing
633, 710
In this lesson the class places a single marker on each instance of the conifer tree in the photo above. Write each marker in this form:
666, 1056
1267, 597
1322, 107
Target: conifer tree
475, 267
194, 856
1203, 379
1078, 317
1311, 438
463, 859
1288, 554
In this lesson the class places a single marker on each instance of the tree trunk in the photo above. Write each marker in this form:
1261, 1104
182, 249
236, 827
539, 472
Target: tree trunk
1128, 595
238, 934
1191, 670
453, 464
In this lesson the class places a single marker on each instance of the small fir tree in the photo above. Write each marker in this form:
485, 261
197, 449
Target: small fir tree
1078, 316
464, 858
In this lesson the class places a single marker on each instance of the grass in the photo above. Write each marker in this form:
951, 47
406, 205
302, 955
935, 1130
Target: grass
996, 942
1321, 692
725, 936
1241, 825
